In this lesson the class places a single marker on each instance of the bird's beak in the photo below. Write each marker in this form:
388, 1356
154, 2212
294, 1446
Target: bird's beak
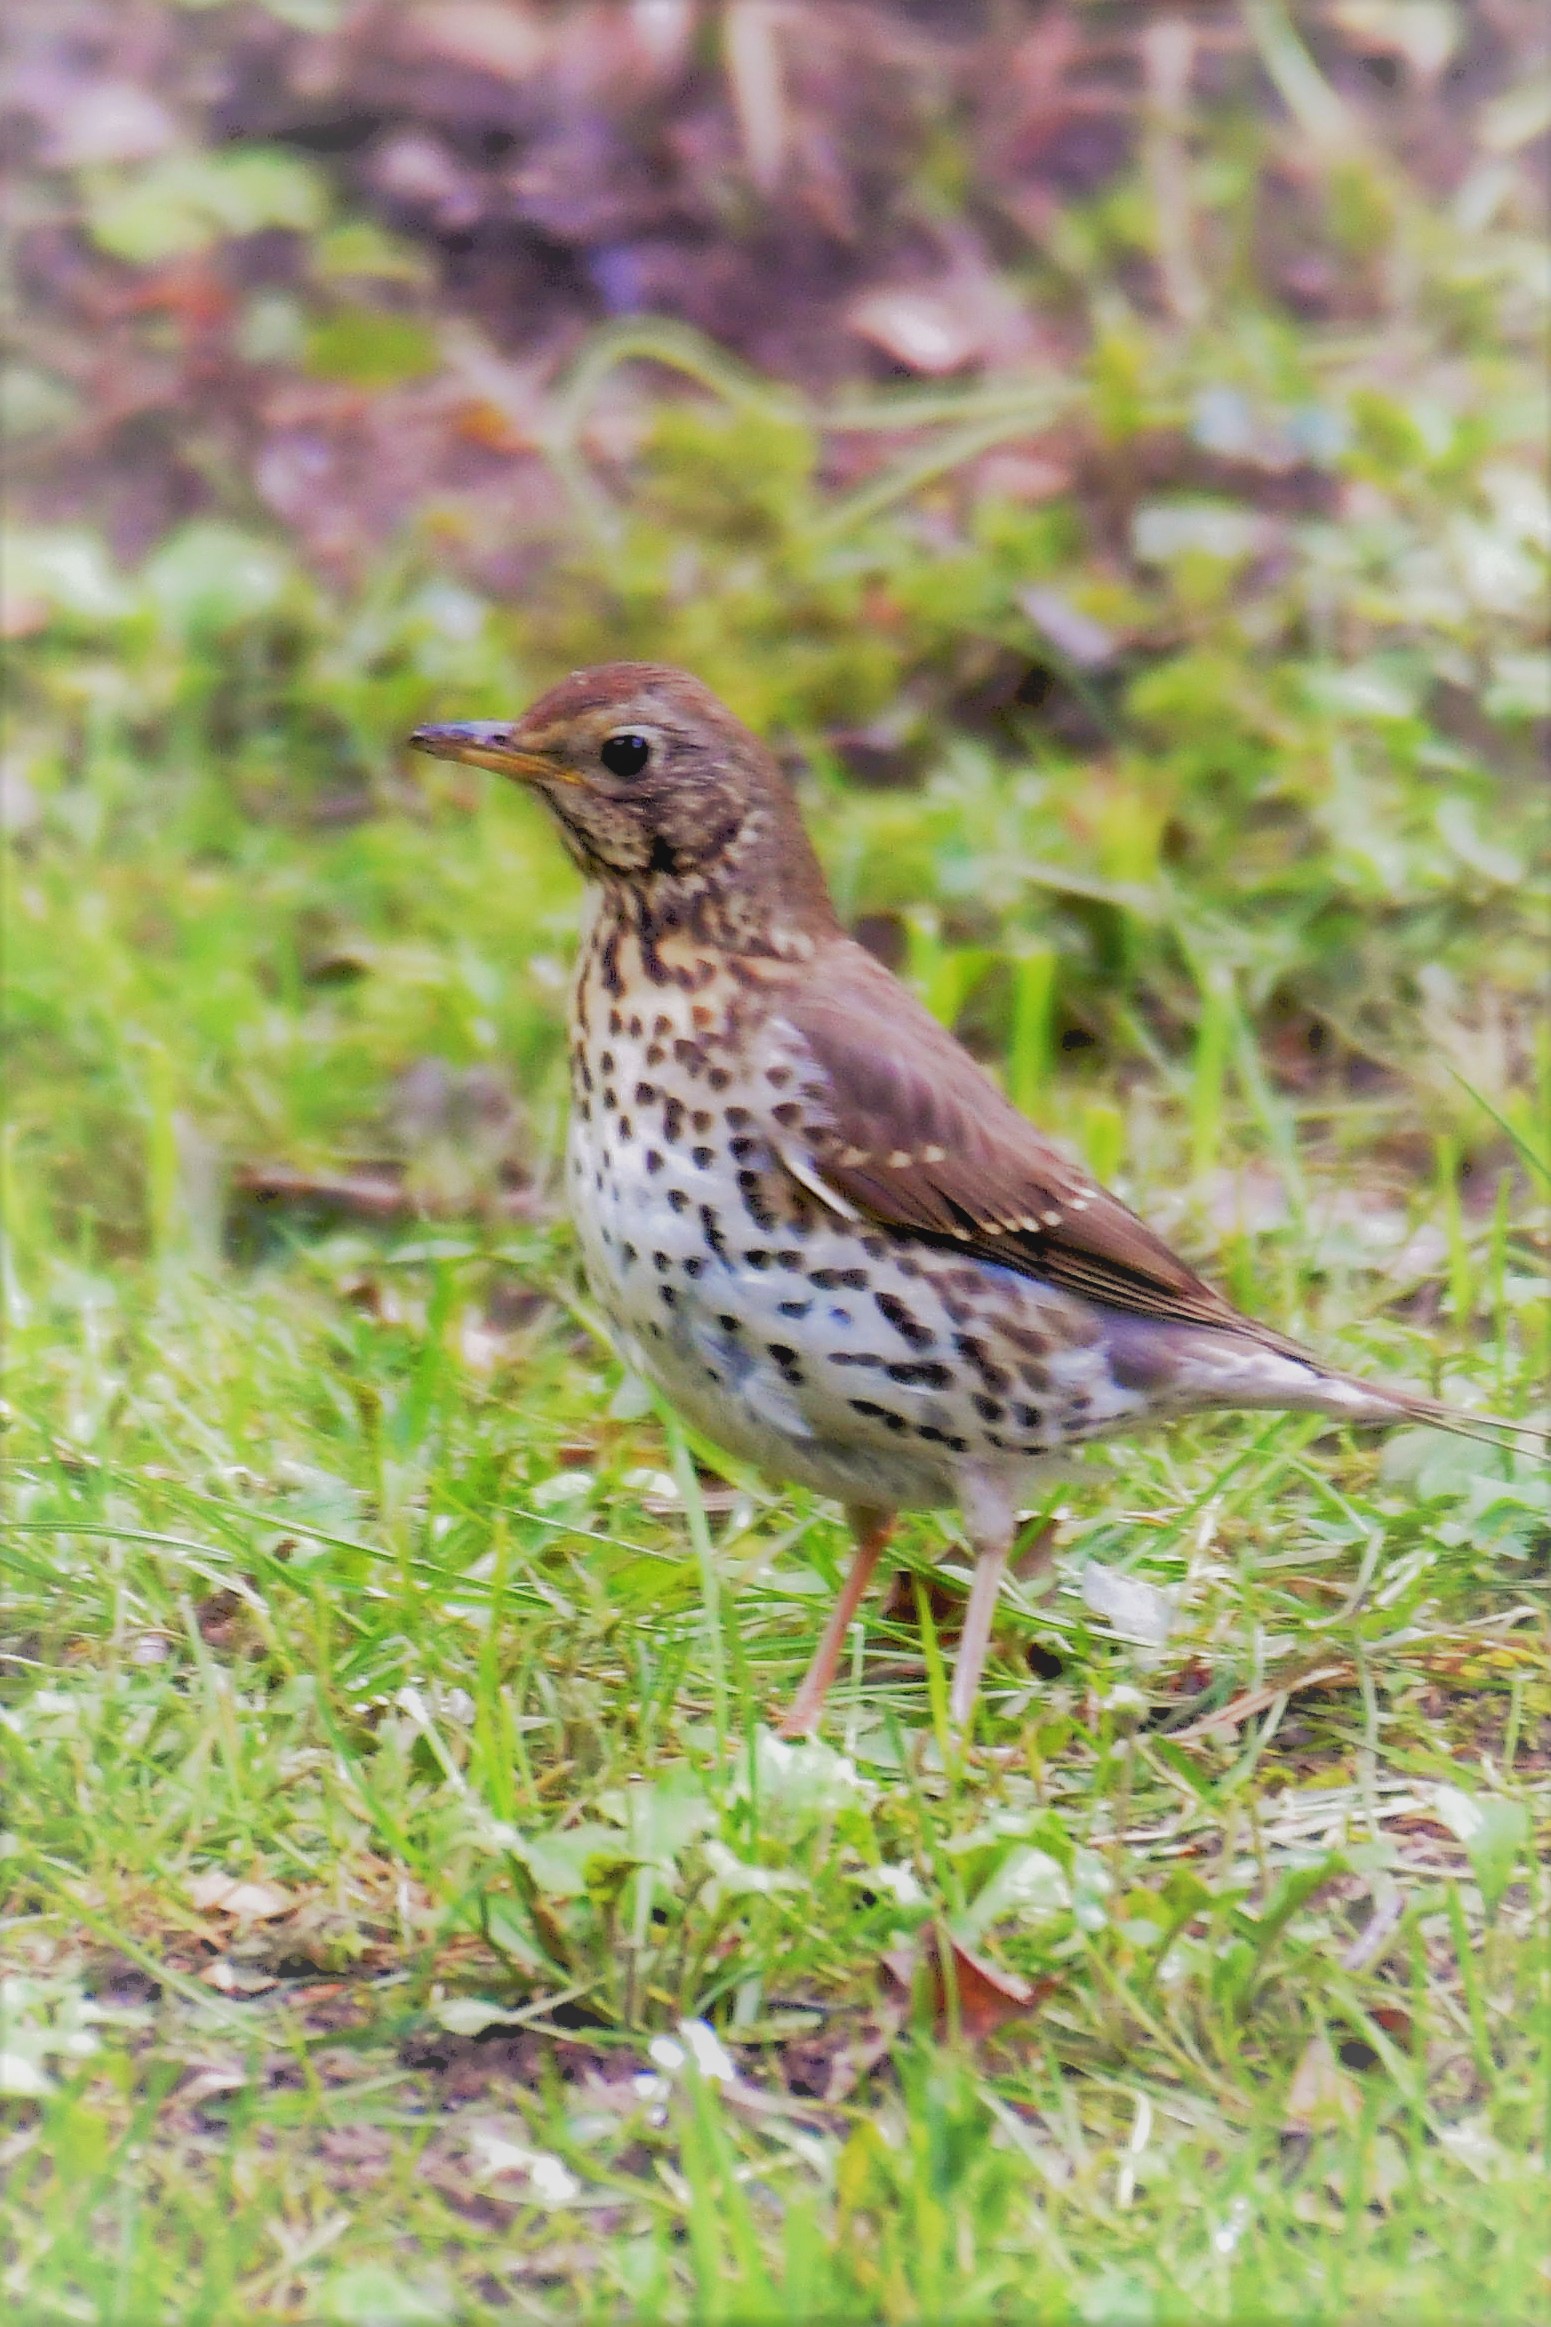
489, 743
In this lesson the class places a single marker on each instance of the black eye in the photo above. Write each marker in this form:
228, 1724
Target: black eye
625, 755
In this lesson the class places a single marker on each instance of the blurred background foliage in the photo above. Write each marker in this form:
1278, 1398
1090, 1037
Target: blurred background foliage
1104, 446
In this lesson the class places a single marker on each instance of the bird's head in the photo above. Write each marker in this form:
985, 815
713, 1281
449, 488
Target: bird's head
653, 784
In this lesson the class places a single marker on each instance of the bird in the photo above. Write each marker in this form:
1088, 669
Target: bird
809, 1217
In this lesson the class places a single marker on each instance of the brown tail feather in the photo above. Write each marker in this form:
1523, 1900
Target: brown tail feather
1374, 1402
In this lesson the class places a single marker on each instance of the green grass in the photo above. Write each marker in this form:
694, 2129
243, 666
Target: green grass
343, 1563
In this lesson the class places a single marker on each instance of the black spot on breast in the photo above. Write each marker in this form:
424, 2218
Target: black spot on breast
903, 1320
736, 1118
925, 1370
969, 1282
701, 1121
645, 1093
973, 1351
661, 1263
730, 1324
626, 1129
694, 1266
942, 1437
1026, 1417
616, 1026
751, 1189
778, 1077
1031, 1344
787, 1113
788, 1259
743, 1147
855, 1357
786, 1358
702, 1158
653, 1160
718, 1078
689, 1055
654, 1054
795, 1308
635, 1027
710, 1222
989, 1409
828, 1280
607, 1062
629, 1255
673, 1120
678, 1201
757, 1257
876, 1413
610, 1098
667, 1296
661, 1025
874, 1247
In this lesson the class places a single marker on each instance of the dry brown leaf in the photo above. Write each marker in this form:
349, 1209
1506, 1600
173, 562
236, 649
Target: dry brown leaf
498, 37
970, 1997
215, 1893
1242, 1709
236, 1979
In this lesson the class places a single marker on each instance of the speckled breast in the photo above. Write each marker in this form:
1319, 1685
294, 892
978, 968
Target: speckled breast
802, 1341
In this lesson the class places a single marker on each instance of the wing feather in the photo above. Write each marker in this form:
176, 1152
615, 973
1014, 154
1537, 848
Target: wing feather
897, 1123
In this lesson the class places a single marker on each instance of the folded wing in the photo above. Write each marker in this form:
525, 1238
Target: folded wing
894, 1122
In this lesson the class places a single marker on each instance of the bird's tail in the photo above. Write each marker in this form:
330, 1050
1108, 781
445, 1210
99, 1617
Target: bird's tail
1345, 1397
1212, 1368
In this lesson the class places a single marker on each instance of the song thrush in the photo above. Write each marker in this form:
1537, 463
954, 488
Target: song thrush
808, 1215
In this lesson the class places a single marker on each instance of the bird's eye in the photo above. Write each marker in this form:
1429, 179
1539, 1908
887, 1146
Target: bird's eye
625, 755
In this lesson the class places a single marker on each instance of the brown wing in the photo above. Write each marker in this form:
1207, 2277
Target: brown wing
896, 1121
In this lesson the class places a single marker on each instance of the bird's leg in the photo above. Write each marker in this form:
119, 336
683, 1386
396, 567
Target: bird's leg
975, 1639
872, 1530
991, 1521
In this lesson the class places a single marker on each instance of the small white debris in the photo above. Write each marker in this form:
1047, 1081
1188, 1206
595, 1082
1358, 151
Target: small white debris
1228, 2232
898, 1883
1136, 1609
550, 2181
699, 2043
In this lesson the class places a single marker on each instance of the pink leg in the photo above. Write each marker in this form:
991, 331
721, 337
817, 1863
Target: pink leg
872, 1530
976, 1636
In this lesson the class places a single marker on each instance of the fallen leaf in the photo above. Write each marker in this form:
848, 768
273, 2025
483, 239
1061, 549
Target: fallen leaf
1321, 2096
970, 1997
215, 1893
918, 330
236, 1979
1255, 1701
497, 37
